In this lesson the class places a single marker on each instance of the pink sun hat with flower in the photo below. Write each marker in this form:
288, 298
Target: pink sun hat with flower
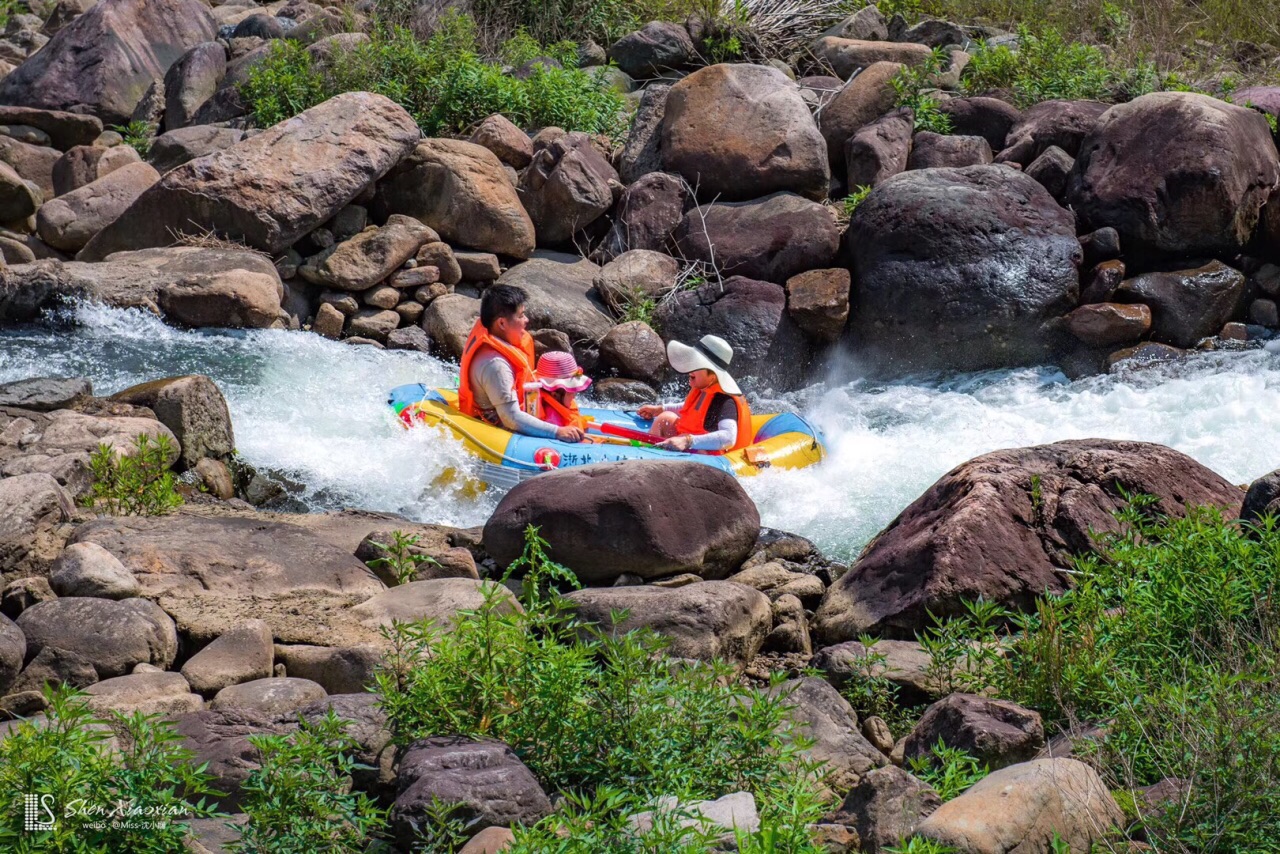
559, 370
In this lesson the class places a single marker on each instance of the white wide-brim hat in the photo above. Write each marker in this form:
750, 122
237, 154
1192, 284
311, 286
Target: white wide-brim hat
712, 353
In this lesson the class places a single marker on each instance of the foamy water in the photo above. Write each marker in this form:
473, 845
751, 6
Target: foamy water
314, 411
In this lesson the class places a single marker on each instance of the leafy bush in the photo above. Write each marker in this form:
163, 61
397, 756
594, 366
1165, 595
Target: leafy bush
949, 770
857, 197
137, 484
916, 845
914, 88
596, 713
138, 135
1171, 636
300, 800
102, 801
443, 83
401, 559
1045, 66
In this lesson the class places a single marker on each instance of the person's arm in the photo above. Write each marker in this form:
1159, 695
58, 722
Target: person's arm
498, 381
723, 437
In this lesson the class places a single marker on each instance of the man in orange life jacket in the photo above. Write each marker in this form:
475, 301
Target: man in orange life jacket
715, 415
497, 363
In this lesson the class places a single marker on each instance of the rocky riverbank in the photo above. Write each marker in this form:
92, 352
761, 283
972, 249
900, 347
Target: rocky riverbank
231, 621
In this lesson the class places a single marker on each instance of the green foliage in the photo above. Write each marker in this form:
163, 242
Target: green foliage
949, 770
136, 484
300, 800
638, 306
966, 651
102, 801
138, 135
857, 197
401, 560
1171, 636
1045, 66
914, 87
443, 83
595, 712
916, 845
9, 8
872, 694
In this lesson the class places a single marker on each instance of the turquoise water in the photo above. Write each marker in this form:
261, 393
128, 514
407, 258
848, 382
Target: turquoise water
313, 411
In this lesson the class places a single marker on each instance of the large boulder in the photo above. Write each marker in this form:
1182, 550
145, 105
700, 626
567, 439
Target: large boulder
821, 714
104, 61
211, 573
220, 738
483, 781
961, 269
906, 664
151, 693
634, 350
1022, 807
193, 408
1175, 173
272, 697
642, 151
372, 255
772, 238
645, 518
655, 47
750, 315
562, 296
305, 170
818, 301
508, 143
1004, 526
19, 198
45, 394
704, 621
997, 733
65, 130
886, 806
568, 186
646, 214
448, 321
13, 651
69, 221
241, 654
191, 81
636, 276
460, 190
87, 569
113, 636
1186, 305
859, 102
35, 163
935, 150
879, 150
31, 507
738, 132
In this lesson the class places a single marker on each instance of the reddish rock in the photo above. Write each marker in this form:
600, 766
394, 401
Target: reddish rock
989, 118
567, 186
818, 301
879, 151
646, 214
1143, 355
848, 56
1051, 170
929, 150
1102, 282
1109, 323
997, 733
1003, 526
859, 102
1061, 123
1186, 305
510, 144
1176, 173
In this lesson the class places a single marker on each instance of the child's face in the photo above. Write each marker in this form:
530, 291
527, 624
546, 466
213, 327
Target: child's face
701, 378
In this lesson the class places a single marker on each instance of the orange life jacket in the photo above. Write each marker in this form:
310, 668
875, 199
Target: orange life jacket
520, 358
696, 410
570, 414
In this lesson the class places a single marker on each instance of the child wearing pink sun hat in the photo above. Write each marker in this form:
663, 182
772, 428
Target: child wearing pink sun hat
558, 382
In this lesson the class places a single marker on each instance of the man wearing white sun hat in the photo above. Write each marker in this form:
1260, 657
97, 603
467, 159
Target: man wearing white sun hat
714, 416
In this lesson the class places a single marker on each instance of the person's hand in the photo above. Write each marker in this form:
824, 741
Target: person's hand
676, 443
649, 411
569, 434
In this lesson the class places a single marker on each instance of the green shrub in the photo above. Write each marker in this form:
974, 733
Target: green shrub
138, 135
913, 86
102, 801
949, 770
596, 713
443, 83
300, 800
916, 845
1171, 637
857, 197
1045, 66
401, 560
137, 484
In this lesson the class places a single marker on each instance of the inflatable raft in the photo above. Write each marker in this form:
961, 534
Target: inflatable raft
780, 441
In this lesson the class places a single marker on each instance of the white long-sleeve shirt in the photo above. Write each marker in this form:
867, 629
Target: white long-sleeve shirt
493, 385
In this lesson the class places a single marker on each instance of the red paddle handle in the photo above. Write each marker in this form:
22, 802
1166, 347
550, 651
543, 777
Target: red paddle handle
625, 433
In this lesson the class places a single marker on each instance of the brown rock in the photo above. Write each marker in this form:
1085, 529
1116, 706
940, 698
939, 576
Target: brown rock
106, 58
373, 323
374, 254
904, 663
85, 164
989, 118
646, 214
567, 187
416, 277
65, 130
1194, 186
191, 81
824, 716
328, 321
634, 350
233, 298
19, 199
879, 150
1064, 124
1109, 323
886, 806
459, 189
1143, 355
1186, 305
35, 163
848, 56
737, 132
790, 631
861, 101
436, 600
818, 301
112, 635
478, 266
448, 321
69, 221
1029, 529
381, 296
1102, 282
997, 733
1051, 169
508, 143
306, 170
930, 150
634, 277
439, 256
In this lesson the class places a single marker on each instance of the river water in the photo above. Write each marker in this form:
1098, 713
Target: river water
314, 411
